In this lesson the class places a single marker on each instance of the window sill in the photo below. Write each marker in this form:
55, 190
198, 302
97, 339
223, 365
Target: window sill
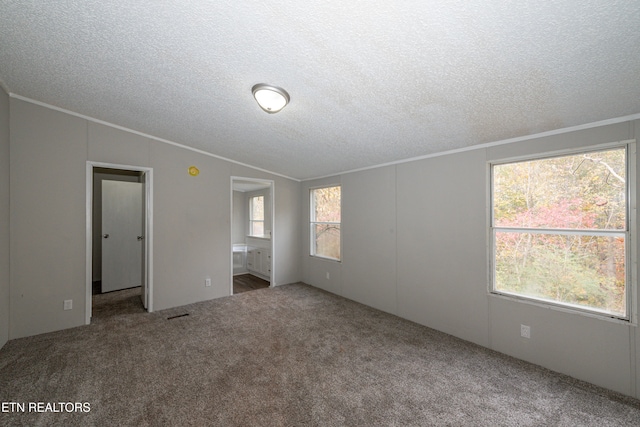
261, 237
324, 258
563, 309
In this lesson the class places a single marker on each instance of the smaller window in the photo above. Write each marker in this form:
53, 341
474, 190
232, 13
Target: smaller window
325, 222
256, 216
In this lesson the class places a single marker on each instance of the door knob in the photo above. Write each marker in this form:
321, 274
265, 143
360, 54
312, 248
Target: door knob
106, 236
140, 237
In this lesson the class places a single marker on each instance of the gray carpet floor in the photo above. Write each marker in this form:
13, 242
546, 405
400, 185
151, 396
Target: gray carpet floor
286, 356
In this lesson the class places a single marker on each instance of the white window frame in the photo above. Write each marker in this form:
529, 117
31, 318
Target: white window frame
253, 221
629, 234
313, 222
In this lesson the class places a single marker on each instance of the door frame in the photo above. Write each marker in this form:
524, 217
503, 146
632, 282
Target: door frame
272, 188
148, 236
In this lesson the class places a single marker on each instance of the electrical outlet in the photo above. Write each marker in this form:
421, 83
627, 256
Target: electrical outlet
207, 282
328, 276
68, 304
525, 331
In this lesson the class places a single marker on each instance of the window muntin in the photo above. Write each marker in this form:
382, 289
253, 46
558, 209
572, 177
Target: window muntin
256, 216
325, 222
560, 230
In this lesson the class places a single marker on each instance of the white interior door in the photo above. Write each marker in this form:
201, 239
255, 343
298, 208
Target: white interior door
122, 235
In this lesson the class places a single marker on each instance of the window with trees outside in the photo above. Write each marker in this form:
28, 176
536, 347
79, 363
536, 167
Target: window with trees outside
325, 222
560, 231
256, 216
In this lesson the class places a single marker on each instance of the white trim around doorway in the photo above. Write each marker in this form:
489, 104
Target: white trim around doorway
272, 187
148, 265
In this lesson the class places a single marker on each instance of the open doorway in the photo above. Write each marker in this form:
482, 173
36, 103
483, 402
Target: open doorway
119, 224
252, 234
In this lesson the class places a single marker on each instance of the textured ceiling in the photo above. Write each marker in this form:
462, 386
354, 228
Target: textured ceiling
371, 81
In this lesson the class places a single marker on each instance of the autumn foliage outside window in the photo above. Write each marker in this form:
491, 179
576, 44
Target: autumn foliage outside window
560, 230
325, 222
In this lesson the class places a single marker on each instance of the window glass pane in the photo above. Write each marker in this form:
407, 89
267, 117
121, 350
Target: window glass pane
257, 228
583, 270
257, 208
326, 204
327, 240
584, 191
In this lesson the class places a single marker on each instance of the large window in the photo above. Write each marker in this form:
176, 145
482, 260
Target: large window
256, 216
325, 222
560, 230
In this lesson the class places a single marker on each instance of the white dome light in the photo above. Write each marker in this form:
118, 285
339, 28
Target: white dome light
270, 98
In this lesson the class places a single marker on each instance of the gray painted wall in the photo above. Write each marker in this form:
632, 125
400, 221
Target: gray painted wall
4, 217
49, 151
369, 275
286, 232
239, 233
414, 239
48, 161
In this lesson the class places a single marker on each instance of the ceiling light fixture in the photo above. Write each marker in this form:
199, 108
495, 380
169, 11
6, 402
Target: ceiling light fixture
270, 98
